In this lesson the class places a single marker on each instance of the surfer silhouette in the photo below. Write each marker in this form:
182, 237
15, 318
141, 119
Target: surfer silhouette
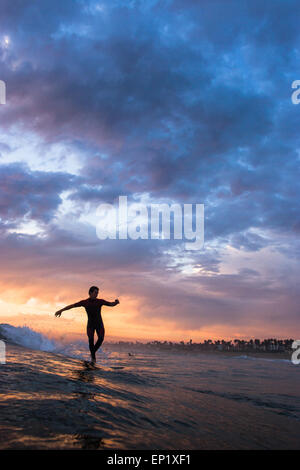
92, 306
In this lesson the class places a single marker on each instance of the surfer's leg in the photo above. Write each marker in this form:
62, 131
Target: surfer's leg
90, 332
100, 332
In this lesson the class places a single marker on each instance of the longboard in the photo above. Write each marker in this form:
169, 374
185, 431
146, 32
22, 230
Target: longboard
89, 365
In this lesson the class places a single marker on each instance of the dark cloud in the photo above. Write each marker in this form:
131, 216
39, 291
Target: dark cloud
34, 194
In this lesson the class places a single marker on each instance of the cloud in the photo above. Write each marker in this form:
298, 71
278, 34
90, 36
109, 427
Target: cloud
164, 100
32, 194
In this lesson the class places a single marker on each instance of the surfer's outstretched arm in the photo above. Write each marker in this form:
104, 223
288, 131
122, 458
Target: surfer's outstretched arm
68, 307
110, 304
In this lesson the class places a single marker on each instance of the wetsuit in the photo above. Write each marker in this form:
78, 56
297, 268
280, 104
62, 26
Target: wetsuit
93, 310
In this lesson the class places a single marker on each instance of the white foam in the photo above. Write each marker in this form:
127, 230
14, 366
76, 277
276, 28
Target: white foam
25, 336
259, 358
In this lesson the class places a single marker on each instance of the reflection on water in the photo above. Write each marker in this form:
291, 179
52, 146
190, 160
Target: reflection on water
83, 375
88, 441
147, 401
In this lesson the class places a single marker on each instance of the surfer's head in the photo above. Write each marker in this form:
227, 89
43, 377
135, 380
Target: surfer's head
93, 292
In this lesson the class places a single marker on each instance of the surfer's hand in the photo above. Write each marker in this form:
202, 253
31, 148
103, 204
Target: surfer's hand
58, 313
117, 301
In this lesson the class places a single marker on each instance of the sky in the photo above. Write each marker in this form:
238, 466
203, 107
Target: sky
172, 101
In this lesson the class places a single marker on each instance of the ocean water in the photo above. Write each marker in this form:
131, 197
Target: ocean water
49, 398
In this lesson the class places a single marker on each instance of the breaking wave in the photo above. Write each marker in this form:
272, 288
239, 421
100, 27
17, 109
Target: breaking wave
25, 336
29, 338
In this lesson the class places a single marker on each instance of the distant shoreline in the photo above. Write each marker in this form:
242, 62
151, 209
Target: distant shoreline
216, 352
181, 349
129, 348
